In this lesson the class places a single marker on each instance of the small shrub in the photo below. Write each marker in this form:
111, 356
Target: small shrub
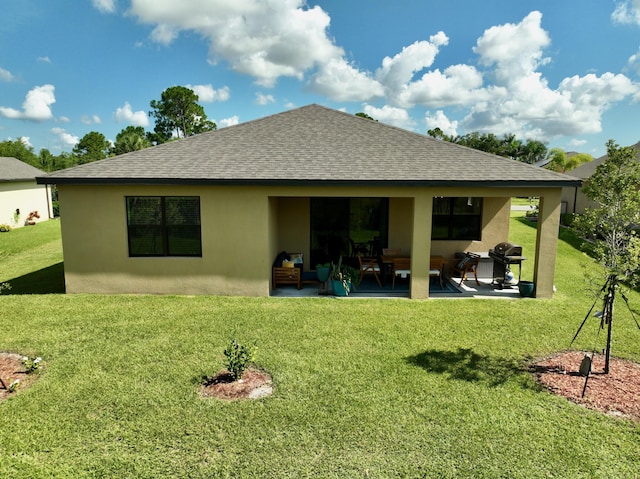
4, 228
13, 387
238, 357
31, 365
566, 219
4, 286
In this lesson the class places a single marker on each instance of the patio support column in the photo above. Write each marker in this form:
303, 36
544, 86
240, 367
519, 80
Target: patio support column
421, 246
547, 242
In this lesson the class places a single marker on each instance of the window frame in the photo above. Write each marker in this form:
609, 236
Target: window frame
451, 220
161, 225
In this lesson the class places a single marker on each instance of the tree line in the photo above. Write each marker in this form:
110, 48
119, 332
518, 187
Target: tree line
529, 151
177, 114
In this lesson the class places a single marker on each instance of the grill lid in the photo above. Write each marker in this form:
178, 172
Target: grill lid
507, 249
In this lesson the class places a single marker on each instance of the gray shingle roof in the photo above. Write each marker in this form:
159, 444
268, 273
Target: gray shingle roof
12, 169
310, 145
585, 170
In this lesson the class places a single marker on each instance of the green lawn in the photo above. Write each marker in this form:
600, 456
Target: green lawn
363, 388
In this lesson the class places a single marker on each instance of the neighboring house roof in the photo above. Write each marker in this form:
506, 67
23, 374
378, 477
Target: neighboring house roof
585, 170
310, 145
12, 170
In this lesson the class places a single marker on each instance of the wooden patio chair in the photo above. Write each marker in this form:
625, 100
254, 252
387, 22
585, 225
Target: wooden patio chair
402, 268
466, 265
369, 266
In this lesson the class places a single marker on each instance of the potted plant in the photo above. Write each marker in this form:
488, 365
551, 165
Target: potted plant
342, 277
526, 288
323, 271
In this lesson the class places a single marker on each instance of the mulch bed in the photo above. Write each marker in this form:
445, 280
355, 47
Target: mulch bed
255, 384
11, 368
616, 393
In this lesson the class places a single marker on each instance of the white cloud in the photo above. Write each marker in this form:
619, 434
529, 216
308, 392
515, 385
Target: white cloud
399, 70
207, 94
340, 81
457, 85
234, 120
262, 99
64, 119
519, 98
44, 59
264, 39
90, 120
67, 139
634, 62
164, 34
105, 6
25, 140
577, 143
503, 90
516, 50
393, 116
36, 106
126, 114
627, 11
6, 75
440, 120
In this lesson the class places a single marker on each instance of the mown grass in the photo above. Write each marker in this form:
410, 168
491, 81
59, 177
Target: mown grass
363, 388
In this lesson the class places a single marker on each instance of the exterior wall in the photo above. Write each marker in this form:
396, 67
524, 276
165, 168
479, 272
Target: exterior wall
495, 229
235, 240
243, 228
400, 224
27, 196
575, 200
293, 228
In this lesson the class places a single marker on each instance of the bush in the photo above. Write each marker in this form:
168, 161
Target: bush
4, 228
239, 357
566, 219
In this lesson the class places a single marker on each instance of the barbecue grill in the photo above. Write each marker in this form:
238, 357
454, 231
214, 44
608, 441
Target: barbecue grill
504, 256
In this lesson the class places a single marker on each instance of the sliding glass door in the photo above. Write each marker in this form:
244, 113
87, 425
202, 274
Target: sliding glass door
345, 226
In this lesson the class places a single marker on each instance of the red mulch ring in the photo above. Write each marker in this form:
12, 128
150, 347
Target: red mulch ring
254, 384
616, 393
11, 369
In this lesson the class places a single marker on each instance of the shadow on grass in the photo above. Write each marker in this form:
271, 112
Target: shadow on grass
465, 365
48, 280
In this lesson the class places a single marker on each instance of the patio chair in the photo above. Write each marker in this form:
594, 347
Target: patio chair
436, 266
402, 268
468, 264
358, 248
369, 266
386, 261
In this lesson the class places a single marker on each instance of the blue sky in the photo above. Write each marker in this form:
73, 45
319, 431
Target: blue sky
559, 71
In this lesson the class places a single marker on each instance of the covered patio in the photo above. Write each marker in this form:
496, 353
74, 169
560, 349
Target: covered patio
369, 289
412, 222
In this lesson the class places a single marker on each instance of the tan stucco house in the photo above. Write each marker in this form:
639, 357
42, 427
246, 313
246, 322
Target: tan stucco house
208, 214
20, 195
573, 199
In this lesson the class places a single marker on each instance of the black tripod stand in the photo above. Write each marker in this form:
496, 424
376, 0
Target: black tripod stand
606, 318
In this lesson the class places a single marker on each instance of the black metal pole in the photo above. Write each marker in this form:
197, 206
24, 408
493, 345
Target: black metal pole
611, 294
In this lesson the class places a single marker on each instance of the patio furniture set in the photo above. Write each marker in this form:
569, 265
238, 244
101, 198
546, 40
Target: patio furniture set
288, 268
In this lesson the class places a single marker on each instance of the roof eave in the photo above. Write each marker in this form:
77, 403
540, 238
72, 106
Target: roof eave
308, 182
